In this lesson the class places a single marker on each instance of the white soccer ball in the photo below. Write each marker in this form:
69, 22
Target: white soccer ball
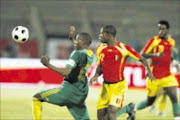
20, 34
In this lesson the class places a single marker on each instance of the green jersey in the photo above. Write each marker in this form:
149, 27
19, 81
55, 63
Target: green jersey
74, 88
175, 54
80, 61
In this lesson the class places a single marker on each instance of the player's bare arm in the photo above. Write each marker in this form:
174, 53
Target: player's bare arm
97, 74
62, 71
150, 55
146, 65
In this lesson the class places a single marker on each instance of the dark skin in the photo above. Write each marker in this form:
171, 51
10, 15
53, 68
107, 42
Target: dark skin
170, 91
111, 111
78, 44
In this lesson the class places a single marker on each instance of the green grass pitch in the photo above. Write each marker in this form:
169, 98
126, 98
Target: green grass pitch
15, 104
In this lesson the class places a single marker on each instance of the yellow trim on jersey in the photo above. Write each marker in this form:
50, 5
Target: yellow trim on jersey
99, 49
89, 52
155, 42
48, 93
124, 53
172, 41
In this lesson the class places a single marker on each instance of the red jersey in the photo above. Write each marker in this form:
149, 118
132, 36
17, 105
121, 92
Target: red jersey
160, 66
113, 60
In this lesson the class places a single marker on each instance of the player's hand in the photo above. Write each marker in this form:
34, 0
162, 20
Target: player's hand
159, 54
45, 60
92, 80
72, 32
151, 77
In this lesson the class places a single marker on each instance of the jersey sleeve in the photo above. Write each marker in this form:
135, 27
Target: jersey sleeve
98, 56
73, 60
172, 42
132, 53
148, 47
98, 51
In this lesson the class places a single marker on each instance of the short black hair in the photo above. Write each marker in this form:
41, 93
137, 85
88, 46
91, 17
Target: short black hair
164, 22
110, 29
86, 37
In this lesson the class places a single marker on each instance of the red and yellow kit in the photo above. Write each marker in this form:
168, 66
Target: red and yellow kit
113, 60
160, 65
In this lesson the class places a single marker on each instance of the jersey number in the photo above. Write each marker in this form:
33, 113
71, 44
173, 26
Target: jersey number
101, 57
160, 49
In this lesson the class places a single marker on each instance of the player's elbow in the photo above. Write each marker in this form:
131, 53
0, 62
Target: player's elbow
66, 71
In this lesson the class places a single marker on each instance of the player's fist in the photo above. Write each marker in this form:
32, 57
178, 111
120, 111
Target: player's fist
72, 32
150, 75
72, 28
45, 60
93, 79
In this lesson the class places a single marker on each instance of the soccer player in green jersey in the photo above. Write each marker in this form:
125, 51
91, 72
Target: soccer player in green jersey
74, 88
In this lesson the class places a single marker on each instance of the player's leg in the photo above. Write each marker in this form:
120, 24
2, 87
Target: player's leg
152, 88
103, 102
115, 108
57, 96
145, 103
172, 93
79, 112
112, 112
102, 114
162, 104
37, 106
129, 109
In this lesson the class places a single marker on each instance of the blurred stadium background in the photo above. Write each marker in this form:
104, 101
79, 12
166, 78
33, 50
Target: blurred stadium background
48, 23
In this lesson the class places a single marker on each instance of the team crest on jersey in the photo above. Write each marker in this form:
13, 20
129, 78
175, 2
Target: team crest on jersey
117, 57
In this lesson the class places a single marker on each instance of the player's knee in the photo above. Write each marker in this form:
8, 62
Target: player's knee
150, 100
113, 109
101, 114
149, 103
37, 96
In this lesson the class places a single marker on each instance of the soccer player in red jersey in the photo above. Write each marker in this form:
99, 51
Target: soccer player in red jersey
111, 60
159, 50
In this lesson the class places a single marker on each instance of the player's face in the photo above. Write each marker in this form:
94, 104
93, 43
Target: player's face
103, 37
163, 31
78, 42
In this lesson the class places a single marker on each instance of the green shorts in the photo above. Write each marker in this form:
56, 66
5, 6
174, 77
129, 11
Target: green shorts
68, 95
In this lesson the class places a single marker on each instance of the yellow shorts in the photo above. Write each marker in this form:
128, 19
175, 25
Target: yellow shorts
112, 94
154, 87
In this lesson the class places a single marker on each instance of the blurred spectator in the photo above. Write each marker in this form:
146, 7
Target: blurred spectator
9, 51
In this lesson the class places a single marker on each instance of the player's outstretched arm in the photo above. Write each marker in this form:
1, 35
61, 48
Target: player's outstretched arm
97, 74
150, 55
146, 65
62, 71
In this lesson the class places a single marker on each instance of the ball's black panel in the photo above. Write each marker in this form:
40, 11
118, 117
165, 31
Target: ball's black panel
16, 37
23, 31
16, 29
24, 39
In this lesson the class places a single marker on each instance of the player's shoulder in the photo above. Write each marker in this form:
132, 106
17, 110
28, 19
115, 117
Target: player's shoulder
76, 53
101, 47
124, 46
171, 40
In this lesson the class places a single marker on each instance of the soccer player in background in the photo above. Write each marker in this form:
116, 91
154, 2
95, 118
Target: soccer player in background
112, 56
159, 50
74, 89
162, 96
